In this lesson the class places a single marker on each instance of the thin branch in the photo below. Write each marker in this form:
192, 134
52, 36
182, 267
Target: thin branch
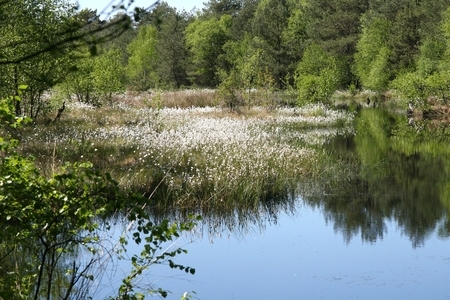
65, 41
77, 37
8, 253
41, 269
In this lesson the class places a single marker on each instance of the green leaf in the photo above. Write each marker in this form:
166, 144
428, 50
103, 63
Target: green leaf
93, 50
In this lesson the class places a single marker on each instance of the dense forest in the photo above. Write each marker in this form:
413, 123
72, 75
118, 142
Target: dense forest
311, 47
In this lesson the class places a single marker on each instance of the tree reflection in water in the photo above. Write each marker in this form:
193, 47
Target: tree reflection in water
387, 171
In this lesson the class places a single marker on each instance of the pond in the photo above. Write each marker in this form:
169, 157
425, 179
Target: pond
379, 229
304, 257
303, 202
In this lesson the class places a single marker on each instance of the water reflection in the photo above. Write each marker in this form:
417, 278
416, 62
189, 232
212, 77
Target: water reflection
238, 219
389, 171
388, 179
393, 171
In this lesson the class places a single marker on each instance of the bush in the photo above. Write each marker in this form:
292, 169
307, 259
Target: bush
45, 224
317, 76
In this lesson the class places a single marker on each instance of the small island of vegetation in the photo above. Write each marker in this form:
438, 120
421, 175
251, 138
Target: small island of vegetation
150, 118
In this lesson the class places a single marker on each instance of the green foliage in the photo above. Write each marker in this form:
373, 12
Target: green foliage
431, 54
245, 62
404, 39
94, 79
171, 47
248, 70
26, 28
335, 25
108, 75
80, 80
432, 70
9, 121
46, 223
228, 90
352, 89
438, 85
412, 86
268, 85
379, 76
294, 35
242, 19
419, 89
372, 57
445, 25
218, 8
143, 59
155, 237
269, 24
317, 76
206, 40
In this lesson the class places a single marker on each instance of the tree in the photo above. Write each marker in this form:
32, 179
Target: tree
141, 68
269, 24
76, 31
429, 77
171, 47
205, 39
336, 25
94, 79
79, 82
120, 42
318, 75
412, 23
431, 54
40, 35
218, 8
46, 222
243, 19
404, 39
108, 75
373, 52
295, 36
52, 20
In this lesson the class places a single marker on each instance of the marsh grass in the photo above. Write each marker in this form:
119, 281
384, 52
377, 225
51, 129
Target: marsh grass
198, 158
168, 99
204, 98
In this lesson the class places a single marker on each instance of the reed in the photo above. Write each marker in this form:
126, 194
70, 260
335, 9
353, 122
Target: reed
198, 157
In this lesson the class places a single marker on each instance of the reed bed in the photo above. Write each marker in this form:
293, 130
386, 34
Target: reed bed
204, 98
199, 157
169, 99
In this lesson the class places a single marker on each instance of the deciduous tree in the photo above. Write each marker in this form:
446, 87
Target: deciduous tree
206, 39
373, 53
141, 68
318, 75
269, 24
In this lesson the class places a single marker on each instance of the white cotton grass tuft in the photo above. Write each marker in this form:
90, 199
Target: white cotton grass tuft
199, 151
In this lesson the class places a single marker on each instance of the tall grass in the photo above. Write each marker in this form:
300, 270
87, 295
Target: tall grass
200, 158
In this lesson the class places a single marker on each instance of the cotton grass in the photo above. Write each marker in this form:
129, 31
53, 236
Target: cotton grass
197, 157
